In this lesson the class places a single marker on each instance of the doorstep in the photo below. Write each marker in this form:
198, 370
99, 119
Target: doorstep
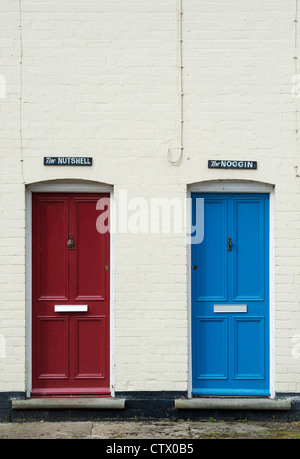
69, 403
232, 404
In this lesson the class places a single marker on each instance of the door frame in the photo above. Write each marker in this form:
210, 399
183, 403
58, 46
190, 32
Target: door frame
61, 186
236, 186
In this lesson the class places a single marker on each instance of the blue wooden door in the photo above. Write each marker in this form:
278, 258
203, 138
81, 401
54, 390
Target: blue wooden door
230, 295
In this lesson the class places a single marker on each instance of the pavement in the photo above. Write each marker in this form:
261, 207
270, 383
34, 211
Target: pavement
151, 430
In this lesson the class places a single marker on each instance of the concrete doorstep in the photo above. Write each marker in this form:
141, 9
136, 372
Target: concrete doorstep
232, 404
68, 403
179, 404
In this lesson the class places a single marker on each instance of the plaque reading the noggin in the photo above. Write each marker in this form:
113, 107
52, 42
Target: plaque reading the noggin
231, 164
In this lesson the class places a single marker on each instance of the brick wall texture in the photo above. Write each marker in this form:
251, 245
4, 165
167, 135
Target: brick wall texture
102, 79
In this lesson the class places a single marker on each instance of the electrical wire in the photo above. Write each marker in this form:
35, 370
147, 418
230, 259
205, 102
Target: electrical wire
21, 90
180, 85
296, 80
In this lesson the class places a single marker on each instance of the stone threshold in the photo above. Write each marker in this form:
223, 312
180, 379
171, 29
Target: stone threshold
69, 404
232, 404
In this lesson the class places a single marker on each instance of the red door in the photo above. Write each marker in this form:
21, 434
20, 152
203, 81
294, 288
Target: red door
70, 296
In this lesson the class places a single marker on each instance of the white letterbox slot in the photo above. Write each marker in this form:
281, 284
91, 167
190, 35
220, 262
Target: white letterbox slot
70, 308
230, 308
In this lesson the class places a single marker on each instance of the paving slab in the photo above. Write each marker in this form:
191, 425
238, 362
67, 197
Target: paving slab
141, 430
46, 430
135, 430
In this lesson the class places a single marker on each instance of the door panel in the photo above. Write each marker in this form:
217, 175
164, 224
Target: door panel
230, 296
89, 278
248, 256
249, 348
212, 340
49, 232
53, 362
70, 349
90, 346
212, 284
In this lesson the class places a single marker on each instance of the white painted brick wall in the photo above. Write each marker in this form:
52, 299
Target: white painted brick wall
100, 79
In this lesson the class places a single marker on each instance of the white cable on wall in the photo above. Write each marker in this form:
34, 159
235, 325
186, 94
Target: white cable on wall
180, 86
21, 91
296, 82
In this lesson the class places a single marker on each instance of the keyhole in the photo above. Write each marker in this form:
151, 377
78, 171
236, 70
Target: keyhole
229, 245
70, 242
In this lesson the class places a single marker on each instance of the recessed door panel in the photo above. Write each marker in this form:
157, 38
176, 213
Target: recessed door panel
211, 283
90, 279
248, 260
212, 339
52, 350
50, 227
249, 348
90, 345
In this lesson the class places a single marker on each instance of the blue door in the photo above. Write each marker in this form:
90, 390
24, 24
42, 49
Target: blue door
230, 295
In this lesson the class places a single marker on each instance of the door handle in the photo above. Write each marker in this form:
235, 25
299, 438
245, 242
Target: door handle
229, 245
70, 242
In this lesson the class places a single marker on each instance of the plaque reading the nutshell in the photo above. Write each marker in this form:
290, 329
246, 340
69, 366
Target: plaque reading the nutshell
233, 164
67, 161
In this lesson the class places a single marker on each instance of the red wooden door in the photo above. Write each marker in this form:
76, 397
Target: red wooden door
70, 296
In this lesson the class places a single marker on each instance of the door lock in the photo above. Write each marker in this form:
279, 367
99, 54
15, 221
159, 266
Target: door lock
229, 245
70, 242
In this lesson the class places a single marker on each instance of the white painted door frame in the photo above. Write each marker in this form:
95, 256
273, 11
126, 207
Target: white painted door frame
237, 186
62, 186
